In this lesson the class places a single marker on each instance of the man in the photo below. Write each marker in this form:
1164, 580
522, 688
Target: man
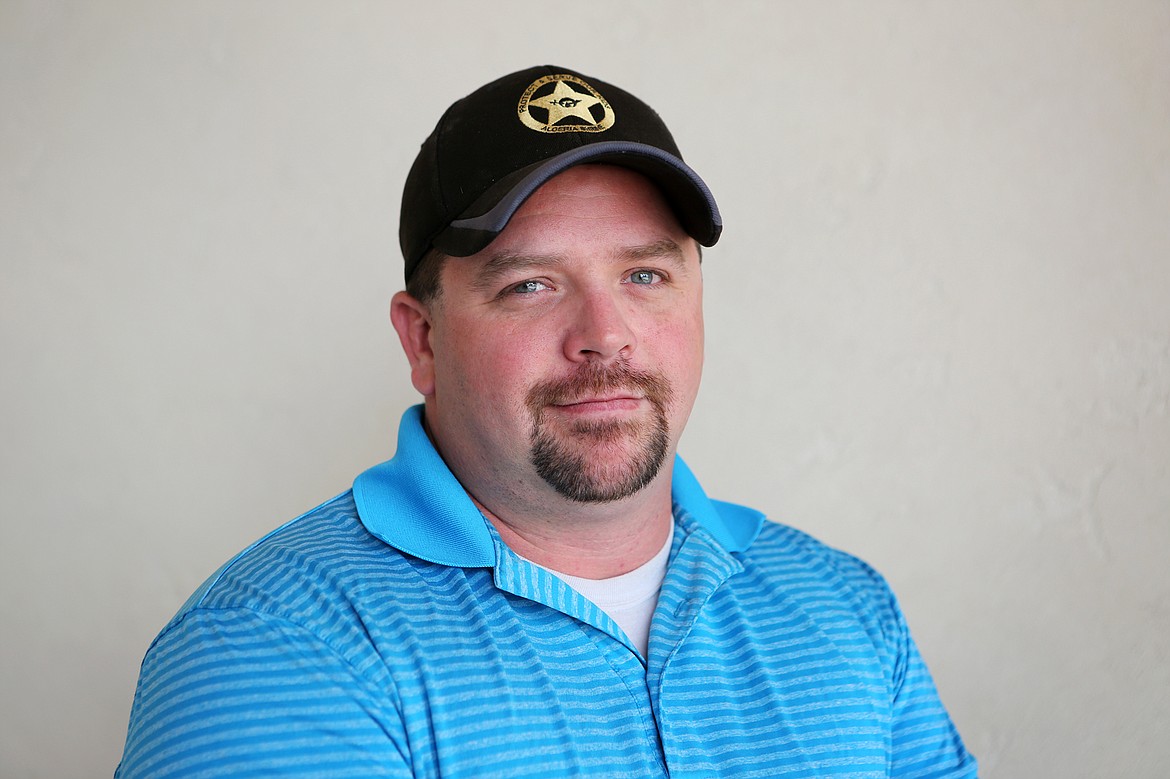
536, 585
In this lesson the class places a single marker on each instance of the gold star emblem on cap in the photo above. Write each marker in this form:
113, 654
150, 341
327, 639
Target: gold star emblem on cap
566, 101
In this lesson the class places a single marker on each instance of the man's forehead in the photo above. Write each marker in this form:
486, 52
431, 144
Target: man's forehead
500, 263
588, 216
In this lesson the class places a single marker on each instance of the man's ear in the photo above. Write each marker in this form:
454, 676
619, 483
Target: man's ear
412, 320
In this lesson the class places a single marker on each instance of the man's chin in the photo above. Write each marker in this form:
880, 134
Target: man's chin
600, 462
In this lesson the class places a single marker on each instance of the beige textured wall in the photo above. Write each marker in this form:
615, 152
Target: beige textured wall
938, 323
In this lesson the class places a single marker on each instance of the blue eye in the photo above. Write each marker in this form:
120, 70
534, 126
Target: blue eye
643, 277
528, 287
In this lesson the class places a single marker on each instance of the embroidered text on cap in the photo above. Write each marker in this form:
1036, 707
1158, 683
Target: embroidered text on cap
564, 103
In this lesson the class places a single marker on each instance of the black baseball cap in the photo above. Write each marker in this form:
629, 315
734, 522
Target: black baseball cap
495, 147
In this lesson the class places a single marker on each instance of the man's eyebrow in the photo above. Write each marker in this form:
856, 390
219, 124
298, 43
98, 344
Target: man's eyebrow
503, 264
664, 249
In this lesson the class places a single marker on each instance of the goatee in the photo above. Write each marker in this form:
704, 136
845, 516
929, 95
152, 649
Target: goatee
599, 461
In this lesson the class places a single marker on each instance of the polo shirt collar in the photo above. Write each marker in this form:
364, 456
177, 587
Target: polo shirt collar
415, 504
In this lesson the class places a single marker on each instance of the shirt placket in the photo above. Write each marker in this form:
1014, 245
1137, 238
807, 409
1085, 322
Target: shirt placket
524, 579
698, 568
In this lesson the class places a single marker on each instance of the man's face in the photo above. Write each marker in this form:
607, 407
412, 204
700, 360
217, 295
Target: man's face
566, 356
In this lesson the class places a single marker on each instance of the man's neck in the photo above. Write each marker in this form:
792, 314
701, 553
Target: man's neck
596, 542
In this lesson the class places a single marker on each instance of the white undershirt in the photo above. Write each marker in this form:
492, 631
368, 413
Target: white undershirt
629, 599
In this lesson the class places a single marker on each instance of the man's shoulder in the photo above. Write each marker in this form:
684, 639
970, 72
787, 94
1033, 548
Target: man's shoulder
819, 572
780, 550
791, 543
302, 571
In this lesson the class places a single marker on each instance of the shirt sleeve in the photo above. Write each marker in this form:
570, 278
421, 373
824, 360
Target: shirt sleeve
924, 741
234, 692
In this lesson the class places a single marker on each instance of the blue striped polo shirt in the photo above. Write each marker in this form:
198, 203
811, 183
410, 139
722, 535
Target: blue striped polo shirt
391, 633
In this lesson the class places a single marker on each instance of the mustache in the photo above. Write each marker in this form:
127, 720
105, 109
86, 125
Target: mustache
592, 379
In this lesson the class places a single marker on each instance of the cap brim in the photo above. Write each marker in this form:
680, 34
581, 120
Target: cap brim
487, 217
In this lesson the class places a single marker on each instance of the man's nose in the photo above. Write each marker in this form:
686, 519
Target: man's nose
600, 329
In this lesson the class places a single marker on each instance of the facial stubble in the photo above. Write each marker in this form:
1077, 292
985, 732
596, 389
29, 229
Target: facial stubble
600, 461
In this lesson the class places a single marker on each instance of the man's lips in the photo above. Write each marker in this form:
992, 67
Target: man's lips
600, 404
